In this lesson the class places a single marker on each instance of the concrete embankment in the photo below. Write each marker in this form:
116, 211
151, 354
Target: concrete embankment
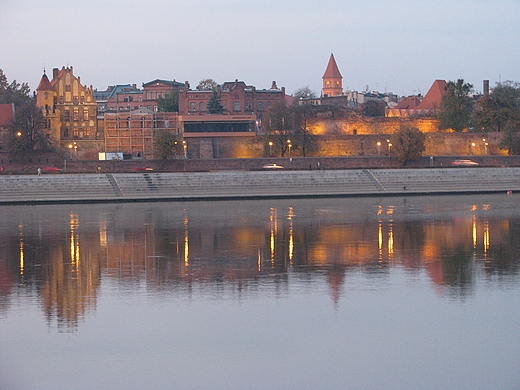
150, 186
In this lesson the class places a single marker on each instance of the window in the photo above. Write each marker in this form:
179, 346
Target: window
67, 115
76, 100
267, 105
46, 95
236, 106
85, 114
75, 116
60, 100
66, 132
260, 106
201, 106
82, 99
67, 88
192, 106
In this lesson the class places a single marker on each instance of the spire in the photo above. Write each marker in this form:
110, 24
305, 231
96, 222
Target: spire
332, 70
332, 79
45, 84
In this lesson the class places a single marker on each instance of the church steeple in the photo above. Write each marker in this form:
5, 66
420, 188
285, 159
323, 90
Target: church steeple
332, 79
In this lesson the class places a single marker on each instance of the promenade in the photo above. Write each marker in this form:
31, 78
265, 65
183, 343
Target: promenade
225, 185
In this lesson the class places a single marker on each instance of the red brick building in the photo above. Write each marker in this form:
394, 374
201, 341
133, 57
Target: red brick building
236, 97
156, 89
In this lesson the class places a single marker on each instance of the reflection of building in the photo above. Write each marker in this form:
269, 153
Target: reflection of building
133, 132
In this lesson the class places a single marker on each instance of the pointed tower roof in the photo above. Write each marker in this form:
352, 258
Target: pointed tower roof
45, 84
432, 99
332, 70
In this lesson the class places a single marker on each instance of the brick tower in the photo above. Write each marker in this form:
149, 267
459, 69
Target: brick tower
332, 79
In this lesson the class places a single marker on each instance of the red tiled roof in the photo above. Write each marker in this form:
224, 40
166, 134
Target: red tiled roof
6, 114
407, 103
332, 70
432, 99
45, 84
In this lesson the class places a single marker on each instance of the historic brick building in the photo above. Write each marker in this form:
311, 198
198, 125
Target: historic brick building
236, 97
332, 79
69, 107
157, 89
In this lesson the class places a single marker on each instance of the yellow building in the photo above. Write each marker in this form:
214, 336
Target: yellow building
70, 110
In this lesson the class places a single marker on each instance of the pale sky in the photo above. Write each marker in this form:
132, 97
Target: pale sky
398, 46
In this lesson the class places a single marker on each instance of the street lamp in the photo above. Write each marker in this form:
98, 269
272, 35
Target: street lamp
70, 147
184, 146
270, 148
19, 134
389, 148
378, 148
289, 145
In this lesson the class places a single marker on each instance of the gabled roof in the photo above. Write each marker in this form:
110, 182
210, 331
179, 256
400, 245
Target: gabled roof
45, 84
166, 82
332, 70
126, 88
432, 99
409, 102
6, 114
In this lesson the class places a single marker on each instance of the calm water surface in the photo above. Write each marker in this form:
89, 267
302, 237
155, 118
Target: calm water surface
376, 293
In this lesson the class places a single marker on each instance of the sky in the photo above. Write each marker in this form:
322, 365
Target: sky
398, 46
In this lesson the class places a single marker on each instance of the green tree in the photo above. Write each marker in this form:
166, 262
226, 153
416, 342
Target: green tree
166, 145
207, 85
456, 106
408, 143
13, 92
214, 105
28, 132
169, 102
500, 107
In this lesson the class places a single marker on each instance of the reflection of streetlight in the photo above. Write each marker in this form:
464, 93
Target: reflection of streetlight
289, 145
270, 148
486, 148
378, 148
184, 146
70, 147
389, 148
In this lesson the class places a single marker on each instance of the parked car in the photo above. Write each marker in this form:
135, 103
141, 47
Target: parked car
465, 163
272, 166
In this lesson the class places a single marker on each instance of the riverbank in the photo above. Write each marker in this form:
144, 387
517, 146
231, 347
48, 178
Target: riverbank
224, 185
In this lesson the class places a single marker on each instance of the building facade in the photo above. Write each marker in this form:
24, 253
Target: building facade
69, 108
132, 133
158, 89
236, 97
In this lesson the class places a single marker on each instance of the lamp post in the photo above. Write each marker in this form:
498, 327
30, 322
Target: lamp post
485, 145
289, 145
184, 146
389, 148
270, 148
378, 148
70, 147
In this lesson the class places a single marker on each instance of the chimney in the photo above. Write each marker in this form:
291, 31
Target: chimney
486, 87
134, 86
55, 73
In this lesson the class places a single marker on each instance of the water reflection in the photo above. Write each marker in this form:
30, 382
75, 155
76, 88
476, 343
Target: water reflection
233, 248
